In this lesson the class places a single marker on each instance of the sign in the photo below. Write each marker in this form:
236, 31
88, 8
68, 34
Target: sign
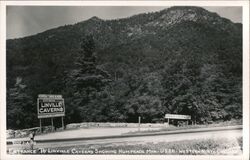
50, 106
177, 116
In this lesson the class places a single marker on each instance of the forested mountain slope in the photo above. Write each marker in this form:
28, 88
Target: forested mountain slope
183, 60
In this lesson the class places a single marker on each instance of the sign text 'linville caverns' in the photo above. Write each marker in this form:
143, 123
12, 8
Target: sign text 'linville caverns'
50, 106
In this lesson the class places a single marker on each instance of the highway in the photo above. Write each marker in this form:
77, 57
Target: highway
140, 138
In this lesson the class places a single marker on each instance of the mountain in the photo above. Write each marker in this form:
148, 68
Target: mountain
183, 60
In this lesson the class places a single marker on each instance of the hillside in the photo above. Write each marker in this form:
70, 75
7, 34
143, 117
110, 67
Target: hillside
183, 60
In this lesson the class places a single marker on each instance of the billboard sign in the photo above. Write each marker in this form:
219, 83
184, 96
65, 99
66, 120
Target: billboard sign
50, 106
177, 116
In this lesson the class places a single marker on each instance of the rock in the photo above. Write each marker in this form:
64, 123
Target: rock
10, 133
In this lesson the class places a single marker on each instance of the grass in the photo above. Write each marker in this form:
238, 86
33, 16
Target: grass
212, 146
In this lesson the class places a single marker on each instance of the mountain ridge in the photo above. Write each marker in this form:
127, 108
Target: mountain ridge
161, 12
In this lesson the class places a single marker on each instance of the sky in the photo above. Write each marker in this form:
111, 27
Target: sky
29, 20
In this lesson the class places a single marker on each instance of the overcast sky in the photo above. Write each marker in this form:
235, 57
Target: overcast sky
28, 20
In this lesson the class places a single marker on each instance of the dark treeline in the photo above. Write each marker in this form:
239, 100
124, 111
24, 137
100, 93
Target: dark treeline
115, 71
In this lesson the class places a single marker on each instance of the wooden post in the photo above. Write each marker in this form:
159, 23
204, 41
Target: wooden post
40, 122
139, 123
62, 123
194, 120
52, 125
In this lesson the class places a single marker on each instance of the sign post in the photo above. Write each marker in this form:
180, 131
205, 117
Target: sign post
62, 123
40, 121
50, 106
139, 123
52, 128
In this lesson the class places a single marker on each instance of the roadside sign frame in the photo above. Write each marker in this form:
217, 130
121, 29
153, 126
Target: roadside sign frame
50, 97
177, 116
50, 115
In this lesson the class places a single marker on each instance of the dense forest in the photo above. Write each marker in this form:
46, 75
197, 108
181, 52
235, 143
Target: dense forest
183, 60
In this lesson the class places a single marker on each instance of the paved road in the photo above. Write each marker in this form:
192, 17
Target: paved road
231, 134
86, 132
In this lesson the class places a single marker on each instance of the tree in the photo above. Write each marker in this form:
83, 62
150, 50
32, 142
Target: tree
86, 82
21, 111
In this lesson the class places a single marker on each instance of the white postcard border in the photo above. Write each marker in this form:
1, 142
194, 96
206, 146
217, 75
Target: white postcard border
245, 22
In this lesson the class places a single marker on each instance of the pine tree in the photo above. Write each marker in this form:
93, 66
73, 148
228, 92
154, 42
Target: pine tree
21, 111
86, 82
